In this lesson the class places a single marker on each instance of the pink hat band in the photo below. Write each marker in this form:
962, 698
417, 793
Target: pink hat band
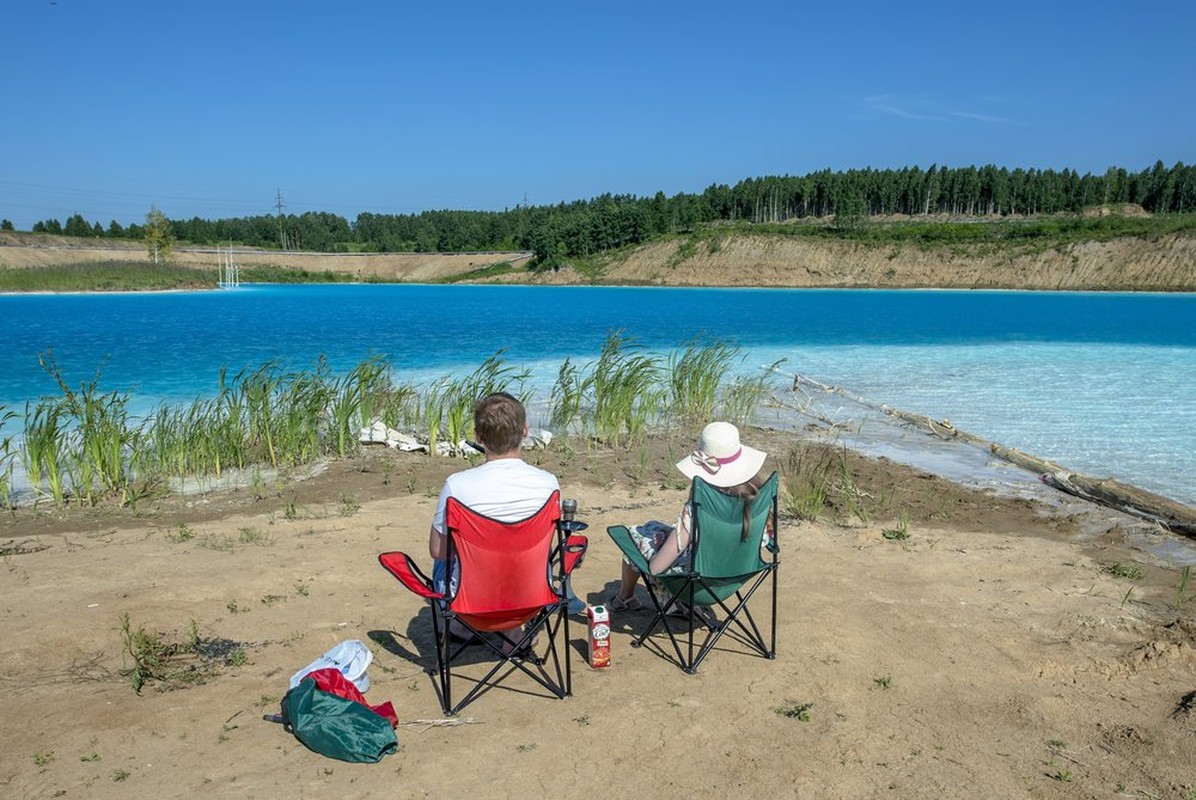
714, 463
740, 464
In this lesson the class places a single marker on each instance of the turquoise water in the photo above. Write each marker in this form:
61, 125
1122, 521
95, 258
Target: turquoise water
1101, 383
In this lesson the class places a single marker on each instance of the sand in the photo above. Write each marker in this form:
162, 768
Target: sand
1001, 650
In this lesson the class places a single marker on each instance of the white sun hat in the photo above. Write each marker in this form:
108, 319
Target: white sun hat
720, 459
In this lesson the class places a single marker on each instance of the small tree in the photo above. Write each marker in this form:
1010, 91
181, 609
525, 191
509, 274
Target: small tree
6, 225
77, 226
159, 238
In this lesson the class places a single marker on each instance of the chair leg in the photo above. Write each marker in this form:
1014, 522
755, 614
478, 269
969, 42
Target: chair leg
568, 669
440, 623
739, 617
733, 617
660, 619
548, 622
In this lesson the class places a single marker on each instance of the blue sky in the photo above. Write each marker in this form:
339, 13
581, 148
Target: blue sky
209, 109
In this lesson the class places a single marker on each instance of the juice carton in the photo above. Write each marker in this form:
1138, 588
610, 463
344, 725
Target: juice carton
599, 636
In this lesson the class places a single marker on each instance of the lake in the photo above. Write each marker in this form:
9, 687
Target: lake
1102, 383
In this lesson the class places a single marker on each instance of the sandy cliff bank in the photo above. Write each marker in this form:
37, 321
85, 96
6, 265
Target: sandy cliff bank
1164, 264
1168, 264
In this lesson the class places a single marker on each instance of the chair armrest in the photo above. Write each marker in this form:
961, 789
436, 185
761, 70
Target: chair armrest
402, 567
622, 537
575, 552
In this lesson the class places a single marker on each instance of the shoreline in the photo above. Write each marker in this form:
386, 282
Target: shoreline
878, 430
967, 462
1176, 516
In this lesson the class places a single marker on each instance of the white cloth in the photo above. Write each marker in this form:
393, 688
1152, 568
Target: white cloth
352, 658
507, 489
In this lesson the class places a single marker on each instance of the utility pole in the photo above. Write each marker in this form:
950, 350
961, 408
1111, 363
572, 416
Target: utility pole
282, 234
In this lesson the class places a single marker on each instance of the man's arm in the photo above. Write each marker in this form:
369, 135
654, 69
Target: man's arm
437, 548
436, 545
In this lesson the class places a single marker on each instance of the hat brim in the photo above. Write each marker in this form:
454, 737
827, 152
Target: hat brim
741, 470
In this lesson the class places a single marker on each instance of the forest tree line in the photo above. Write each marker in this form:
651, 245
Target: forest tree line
584, 227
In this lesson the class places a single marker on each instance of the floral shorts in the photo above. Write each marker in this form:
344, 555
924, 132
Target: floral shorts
650, 537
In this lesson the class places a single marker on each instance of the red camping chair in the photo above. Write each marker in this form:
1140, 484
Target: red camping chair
511, 574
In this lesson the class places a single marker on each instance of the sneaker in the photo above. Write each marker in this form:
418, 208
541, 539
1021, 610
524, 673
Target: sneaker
617, 603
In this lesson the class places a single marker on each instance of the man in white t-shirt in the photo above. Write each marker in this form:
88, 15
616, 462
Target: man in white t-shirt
505, 487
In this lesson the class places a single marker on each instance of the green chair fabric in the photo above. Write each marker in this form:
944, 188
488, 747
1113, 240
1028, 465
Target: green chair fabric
725, 572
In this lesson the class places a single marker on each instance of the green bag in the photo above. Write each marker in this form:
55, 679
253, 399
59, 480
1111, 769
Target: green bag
336, 727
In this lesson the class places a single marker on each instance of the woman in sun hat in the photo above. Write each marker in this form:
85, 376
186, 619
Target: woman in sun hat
722, 461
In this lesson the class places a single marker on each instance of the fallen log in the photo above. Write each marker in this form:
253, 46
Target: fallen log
1174, 516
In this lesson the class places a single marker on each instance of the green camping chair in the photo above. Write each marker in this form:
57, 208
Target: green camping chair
724, 572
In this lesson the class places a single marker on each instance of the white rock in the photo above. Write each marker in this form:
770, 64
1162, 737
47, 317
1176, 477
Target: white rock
405, 442
375, 434
537, 439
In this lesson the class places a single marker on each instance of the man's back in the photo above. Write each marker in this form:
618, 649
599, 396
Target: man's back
507, 489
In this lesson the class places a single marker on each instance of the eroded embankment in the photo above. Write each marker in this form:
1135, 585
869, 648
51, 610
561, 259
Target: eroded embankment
1167, 263
1132, 264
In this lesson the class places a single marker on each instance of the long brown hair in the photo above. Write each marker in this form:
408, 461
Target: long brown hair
746, 492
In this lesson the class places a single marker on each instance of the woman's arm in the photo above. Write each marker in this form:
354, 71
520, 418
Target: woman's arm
674, 545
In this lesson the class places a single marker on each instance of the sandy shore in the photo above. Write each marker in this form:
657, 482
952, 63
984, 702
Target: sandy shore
1000, 650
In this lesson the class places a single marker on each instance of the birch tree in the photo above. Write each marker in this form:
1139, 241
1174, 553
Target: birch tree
159, 238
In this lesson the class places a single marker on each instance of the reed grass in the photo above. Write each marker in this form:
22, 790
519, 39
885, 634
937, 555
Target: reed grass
433, 407
300, 413
1181, 589
83, 444
398, 405
458, 396
98, 423
465, 392
566, 396
850, 492
116, 275
627, 391
743, 396
696, 373
807, 475
7, 456
260, 388
44, 448
356, 400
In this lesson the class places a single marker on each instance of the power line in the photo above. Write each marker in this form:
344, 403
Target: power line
278, 205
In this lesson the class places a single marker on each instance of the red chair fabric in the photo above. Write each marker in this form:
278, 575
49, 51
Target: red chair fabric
511, 574
504, 565
402, 567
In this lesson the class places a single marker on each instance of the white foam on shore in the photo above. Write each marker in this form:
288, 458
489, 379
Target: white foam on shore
864, 428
